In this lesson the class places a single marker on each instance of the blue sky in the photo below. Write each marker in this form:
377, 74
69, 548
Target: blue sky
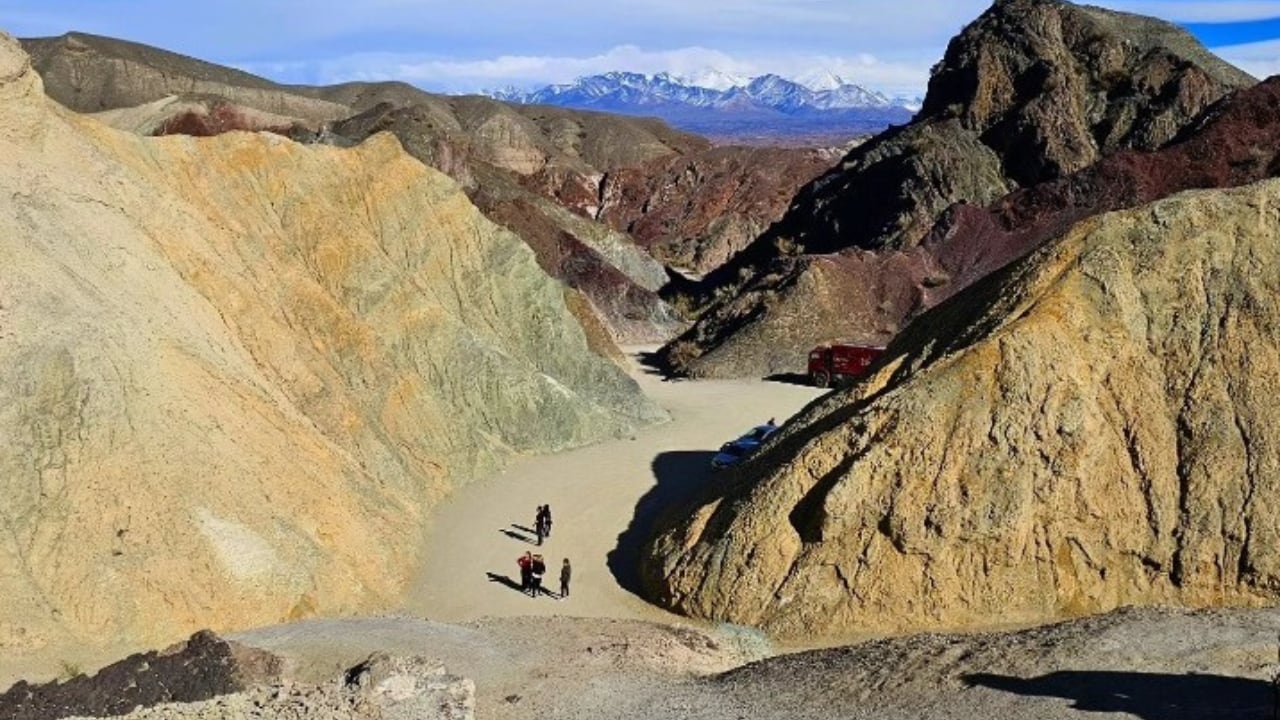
464, 45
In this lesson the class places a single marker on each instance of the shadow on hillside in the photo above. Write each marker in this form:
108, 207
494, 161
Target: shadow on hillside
1149, 696
651, 364
680, 475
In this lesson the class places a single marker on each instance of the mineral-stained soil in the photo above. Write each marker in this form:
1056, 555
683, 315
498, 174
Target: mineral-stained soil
1092, 426
1030, 92
696, 210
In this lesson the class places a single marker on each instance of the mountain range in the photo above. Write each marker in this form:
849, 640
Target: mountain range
725, 106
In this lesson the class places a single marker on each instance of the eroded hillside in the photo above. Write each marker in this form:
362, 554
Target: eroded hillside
1091, 427
574, 184
238, 371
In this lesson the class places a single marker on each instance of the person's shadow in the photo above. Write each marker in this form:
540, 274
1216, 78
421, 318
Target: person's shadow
1149, 696
504, 580
518, 536
680, 475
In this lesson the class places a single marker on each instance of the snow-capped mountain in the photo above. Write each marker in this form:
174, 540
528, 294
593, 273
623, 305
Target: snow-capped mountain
713, 79
706, 89
711, 100
820, 80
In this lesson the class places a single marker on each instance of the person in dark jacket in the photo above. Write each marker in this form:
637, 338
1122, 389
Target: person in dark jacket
536, 569
546, 521
565, 572
539, 523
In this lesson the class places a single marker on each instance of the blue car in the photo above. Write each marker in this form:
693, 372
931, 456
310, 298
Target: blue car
733, 452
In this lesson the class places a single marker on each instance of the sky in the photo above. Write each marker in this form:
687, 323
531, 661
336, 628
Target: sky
468, 45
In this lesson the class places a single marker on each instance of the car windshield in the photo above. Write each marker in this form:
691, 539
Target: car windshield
759, 433
732, 450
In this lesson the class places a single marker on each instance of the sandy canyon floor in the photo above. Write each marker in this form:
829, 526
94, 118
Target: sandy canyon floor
602, 498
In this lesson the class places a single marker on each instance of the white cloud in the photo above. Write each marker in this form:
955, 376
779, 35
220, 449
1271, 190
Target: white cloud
1204, 11
1260, 59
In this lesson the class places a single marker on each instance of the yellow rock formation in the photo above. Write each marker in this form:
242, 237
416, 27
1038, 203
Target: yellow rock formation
1095, 426
236, 372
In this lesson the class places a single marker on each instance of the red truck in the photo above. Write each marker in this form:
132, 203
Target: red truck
837, 363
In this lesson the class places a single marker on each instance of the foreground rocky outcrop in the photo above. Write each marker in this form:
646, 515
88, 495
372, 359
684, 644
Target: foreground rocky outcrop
208, 678
236, 372
1092, 426
201, 668
1144, 663
1030, 92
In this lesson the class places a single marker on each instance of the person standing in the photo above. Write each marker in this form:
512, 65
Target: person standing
537, 568
565, 572
546, 520
539, 523
526, 571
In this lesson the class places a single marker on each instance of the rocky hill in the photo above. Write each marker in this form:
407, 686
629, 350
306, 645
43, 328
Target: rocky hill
1090, 427
523, 165
1029, 92
89, 74
1232, 144
695, 211
235, 373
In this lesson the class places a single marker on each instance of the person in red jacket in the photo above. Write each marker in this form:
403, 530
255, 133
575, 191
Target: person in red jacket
526, 571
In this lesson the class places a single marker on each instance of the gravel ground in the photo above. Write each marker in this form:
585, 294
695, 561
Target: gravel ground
1151, 664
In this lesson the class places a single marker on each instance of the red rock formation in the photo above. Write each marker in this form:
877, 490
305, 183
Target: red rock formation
218, 117
697, 210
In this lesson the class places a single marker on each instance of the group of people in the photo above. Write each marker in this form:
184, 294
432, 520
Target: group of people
533, 567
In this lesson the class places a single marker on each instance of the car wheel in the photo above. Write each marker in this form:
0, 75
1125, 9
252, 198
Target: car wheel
821, 378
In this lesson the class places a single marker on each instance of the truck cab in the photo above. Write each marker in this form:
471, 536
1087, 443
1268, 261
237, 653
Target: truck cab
840, 363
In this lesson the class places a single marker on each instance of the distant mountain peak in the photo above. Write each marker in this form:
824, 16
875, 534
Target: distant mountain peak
820, 90
711, 101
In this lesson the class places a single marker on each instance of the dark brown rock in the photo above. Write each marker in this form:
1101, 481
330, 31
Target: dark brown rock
203, 667
1031, 91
